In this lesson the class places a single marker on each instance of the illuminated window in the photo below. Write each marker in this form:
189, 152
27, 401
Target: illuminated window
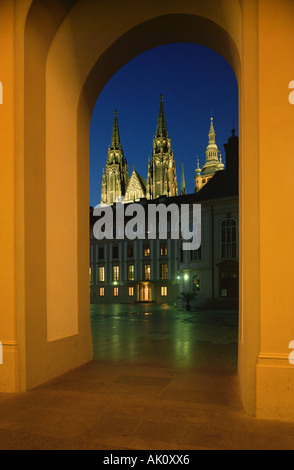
163, 271
101, 273
115, 272
115, 291
131, 272
146, 249
147, 272
164, 291
228, 239
101, 291
163, 249
131, 291
196, 283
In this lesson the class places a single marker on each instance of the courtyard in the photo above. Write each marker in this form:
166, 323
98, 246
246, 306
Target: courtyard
164, 336
161, 379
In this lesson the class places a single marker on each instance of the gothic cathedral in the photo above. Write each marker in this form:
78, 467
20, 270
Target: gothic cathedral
161, 175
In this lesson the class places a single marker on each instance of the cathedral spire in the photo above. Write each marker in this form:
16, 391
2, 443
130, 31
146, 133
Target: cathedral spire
161, 130
161, 172
212, 152
211, 133
116, 177
183, 185
115, 139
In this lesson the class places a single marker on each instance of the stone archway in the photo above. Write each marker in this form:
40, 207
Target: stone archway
80, 46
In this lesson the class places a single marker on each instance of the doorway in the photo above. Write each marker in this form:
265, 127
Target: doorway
229, 279
145, 293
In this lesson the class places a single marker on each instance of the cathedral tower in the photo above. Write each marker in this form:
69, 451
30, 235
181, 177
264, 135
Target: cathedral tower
161, 176
213, 162
116, 177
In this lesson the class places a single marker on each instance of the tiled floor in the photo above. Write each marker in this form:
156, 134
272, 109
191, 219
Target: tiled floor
153, 397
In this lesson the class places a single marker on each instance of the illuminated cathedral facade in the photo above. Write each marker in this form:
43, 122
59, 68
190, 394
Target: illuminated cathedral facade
161, 177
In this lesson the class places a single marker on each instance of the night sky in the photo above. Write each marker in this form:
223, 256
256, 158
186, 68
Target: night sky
196, 83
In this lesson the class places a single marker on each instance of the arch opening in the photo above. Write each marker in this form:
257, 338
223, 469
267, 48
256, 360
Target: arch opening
183, 100
57, 133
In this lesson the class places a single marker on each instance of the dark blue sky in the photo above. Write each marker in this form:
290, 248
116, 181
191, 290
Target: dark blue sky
195, 82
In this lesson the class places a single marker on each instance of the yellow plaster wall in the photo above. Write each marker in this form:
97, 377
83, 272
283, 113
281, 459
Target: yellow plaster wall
61, 195
9, 368
275, 374
249, 206
51, 349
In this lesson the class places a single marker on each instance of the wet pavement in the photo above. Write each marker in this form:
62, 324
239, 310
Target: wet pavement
161, 379
163, 335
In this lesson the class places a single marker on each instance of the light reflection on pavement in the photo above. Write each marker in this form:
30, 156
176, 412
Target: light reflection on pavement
163, 336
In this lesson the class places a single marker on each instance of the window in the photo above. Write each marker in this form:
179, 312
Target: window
196, 255
228, 239
101, 291
196, 283
147, 272
115, 291
130, 251
146, 249
131, 272
131, 291
115, 252
163, 249
163, 271
163, 291
115, 273
101, 273
101, 252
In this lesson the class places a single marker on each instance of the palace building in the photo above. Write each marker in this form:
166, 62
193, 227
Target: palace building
212, 271
139, 270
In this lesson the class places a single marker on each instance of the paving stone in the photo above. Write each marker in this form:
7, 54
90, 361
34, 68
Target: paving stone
161, 385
